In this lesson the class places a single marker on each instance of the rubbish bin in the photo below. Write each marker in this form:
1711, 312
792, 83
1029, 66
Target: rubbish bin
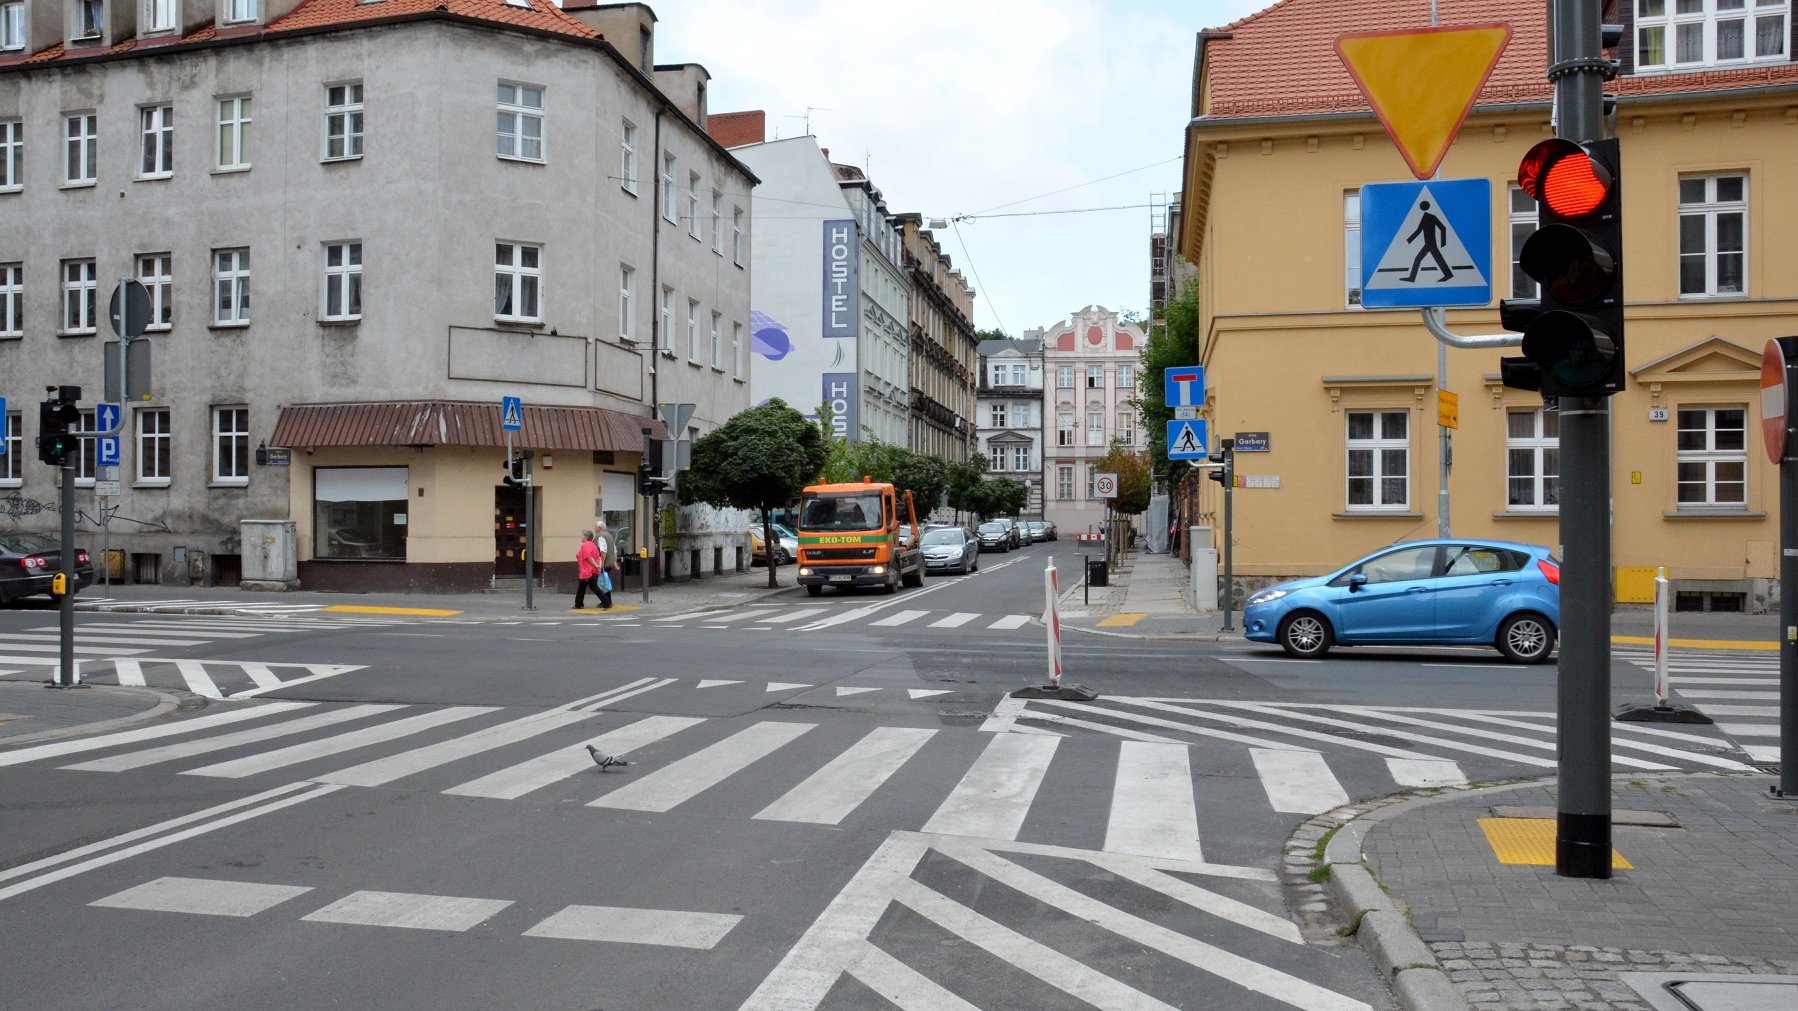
1098, 572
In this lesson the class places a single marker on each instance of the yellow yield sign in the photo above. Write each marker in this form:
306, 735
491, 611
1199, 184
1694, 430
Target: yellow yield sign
1422, 83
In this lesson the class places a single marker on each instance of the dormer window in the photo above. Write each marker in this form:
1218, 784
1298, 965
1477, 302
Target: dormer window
240, 10
90, 18
159, 15
526, 4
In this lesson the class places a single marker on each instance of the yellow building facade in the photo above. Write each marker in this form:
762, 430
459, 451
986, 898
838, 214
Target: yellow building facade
1340, 402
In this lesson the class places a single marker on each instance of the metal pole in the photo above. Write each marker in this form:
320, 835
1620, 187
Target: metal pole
530, 535
1788, 617
65, 675
1229, 596
1443, 447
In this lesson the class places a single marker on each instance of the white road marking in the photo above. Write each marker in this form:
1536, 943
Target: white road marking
784, 686
956, 620
1425, 772
1152, 808
202, 896
686, 778
188, 726
828, 795
409, 763
1298, 782
994, 796
326, 747
782, 619
714, 683
207, 745
841, 692
899, 619
403, 909
668, 928
1012, 621
518, 780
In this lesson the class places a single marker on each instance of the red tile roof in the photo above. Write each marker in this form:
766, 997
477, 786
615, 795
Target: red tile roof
1282, 61
541, 14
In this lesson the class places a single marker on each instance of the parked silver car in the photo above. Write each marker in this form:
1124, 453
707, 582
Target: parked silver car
951, 549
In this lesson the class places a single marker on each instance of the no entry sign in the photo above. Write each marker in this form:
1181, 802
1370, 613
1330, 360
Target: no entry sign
1776, 396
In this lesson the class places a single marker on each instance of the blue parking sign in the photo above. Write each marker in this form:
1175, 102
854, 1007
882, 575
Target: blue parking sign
5, 427
106, 451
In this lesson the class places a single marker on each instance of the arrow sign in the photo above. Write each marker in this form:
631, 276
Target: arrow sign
106, 419
511, 414
1422, 83
1186, 440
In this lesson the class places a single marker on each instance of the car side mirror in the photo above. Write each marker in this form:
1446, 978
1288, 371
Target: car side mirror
1357, 581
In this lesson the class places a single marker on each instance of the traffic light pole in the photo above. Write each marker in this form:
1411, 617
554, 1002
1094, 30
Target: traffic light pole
1583, 804
65, 604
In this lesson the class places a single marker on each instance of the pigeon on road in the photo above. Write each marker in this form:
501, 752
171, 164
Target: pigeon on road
603, 760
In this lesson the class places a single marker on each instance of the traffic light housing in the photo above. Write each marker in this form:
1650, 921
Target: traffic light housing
649, 468
1225, 460
56, 440
514, 476
1573, 332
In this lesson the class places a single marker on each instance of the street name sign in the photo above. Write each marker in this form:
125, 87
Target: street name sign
1423, 82
1426, 244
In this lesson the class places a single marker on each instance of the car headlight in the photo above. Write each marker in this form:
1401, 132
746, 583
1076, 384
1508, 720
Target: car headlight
878, 570
1267, 596
805, 571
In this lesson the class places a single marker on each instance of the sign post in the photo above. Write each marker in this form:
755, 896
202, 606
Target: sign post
1779, 369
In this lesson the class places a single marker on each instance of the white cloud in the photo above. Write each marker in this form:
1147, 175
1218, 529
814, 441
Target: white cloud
981, 105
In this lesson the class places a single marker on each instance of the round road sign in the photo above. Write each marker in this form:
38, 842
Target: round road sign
1775, 399
1105, 485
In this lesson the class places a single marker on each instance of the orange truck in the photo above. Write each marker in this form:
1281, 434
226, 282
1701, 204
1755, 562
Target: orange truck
853, 534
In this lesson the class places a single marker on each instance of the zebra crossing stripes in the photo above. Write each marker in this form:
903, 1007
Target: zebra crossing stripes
1152, 808
995, 795
295, 754
686, 778
1298, 782
812, 619
534, 774
827, 796
189, 749
1737, 689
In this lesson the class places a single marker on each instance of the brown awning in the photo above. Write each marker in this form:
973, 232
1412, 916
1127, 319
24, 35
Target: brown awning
454, 423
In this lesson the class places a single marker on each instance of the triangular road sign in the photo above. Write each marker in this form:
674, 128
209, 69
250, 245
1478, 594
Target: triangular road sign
1409, 263
1422, 83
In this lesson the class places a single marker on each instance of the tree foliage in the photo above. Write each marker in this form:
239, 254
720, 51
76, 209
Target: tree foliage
926, 477
995, 334
964, 478
761, 459
1173, 343
1135, 482
998, 497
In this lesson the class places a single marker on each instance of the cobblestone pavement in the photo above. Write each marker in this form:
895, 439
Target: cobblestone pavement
1578, 977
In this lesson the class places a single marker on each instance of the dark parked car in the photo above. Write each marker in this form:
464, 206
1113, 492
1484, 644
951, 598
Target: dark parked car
951, 549
29, 563
1423, 593
996, 535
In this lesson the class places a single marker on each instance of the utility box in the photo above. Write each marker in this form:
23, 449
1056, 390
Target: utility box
1203, 569
270, 555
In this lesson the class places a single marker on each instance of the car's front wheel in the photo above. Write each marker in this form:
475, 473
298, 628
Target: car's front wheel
1305, 634
1526, 638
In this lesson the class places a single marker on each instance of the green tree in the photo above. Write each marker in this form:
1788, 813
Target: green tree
1172, 343
998, 497
926, 477
964, 480
1134, 480
761, 459
995, 334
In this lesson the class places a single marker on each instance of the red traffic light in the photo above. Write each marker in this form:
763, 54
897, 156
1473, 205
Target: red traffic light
1564, 178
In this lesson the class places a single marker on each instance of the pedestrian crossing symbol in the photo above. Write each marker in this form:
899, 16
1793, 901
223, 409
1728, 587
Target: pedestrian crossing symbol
1426, 244
512, 414
1186, 439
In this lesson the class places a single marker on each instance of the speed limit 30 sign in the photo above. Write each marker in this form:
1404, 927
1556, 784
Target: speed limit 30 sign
1105, 486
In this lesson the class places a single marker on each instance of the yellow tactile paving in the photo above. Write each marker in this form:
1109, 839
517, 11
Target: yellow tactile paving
1645, 640
1529, 841
1121, 620
430, 612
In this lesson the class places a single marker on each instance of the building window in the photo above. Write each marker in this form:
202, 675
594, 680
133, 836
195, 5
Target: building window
1126, 377
693, 226
627, 297
156, 156
1532, 460
737, 349
230, 287
230, 445
153, 445
1379, 458
1020, 458
12, 300
1126, 428
520, 122
90, 18
1095, 377
1699, 33
343, 281
997, 455
668, 186
693, 330
359, 512
718, 222
1351, 247
343, 121
627, 157
1064, 482
81, 133
234, 133
12, 25
1064, 428
240, 10
1064, 377
1020, 415
717, 340
998, 416
12, 154
517, 282
159, 15
665, 335
12, 471
154, 270
1713, 456
1713, 235
736, 236
1523, 225
1095, 428
80, 288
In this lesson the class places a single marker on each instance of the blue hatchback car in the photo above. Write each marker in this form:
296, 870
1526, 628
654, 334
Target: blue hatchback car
1452, 591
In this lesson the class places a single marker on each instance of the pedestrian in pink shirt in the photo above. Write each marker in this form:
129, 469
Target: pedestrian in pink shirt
588, 563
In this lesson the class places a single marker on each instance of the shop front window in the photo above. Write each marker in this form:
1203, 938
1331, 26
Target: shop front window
359, 512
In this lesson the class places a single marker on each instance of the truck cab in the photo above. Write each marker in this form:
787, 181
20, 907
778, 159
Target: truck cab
858, 534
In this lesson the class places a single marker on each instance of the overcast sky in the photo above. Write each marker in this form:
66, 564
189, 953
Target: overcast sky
981, 108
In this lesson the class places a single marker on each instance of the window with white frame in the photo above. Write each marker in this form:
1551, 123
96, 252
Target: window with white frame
1523, 225
996, 454
517, 282
738, 349
152, 445
627, 157
1379, 460
230, 445
1064, 428
1064, 377
1020, 415
694, 227
86, 464
736, 236
159, 15
520, 122
1351, 248
718, 222
1689, 34
230, 287
234, 133
12, 299
343, 121
1126, 428
1713, 235
665, 334
717, 340
80, 294
1064, 482
156, 142
81, 145
12, 468
1020, 458
240, 10
90, 18
155, 272
1713, 456
12, 25
1095, 377
1095, 428
12, 155
1126, 377
1532, 460
998, 416
668, 210
343, 281
693, 330
627, 298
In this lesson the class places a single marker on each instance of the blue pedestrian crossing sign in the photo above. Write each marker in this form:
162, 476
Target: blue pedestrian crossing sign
1426, 243
1186, 439
511, 411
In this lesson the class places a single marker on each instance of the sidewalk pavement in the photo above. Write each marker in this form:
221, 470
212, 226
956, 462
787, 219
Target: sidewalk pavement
1420, 879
